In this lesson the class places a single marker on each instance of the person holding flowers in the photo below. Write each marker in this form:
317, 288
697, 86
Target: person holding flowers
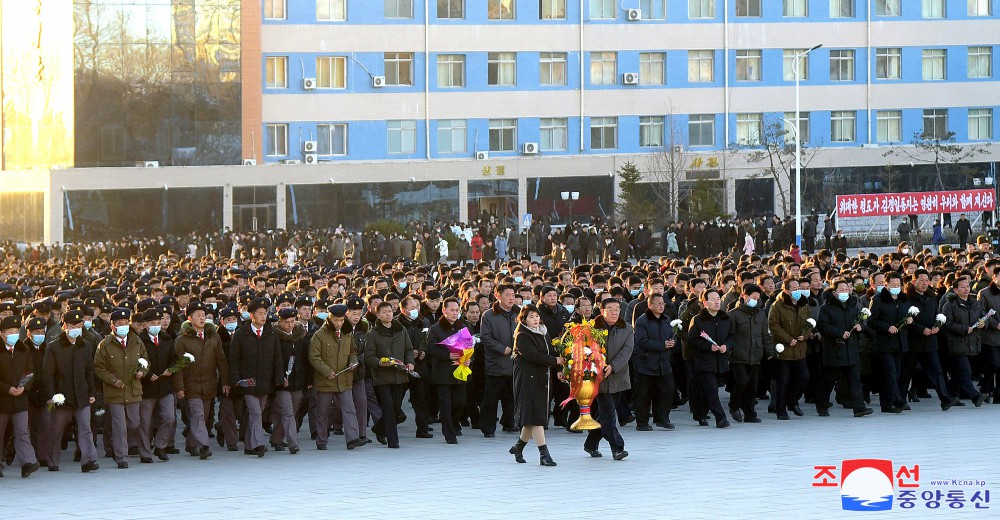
158, 390
789, 328
120, 362
841, 328
388, 339
890, 314
450, 390
332, 353
69, 372
197, 384
533, 357
922, 340
654, 344
15, 364
710, 335
965, 323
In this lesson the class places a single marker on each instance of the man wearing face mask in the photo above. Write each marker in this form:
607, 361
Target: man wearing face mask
787, 321
751, 345
889, 314
198, 383
116, 364
39, 417
69, 370
15, 362
255, 355
158, 390
841, 329
417, 327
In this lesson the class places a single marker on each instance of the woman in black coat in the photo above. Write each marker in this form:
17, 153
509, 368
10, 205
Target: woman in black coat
533, 355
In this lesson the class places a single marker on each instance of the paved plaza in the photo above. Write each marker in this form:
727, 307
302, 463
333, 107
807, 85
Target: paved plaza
746, 471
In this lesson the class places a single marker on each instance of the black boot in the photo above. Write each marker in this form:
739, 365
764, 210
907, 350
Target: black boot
544, 458
517, 450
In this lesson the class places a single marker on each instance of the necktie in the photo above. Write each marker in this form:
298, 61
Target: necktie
156, 340
123, 344
201, 336
258, 332
338, 335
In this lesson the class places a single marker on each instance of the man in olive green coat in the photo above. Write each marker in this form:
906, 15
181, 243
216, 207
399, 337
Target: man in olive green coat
787, 322
118, 363
332, 354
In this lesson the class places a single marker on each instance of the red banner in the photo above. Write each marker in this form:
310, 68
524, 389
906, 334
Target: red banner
881, 204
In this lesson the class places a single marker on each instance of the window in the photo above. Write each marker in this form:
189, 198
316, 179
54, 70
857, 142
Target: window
277, 140
552, 10
651, 71
701, 66
331, 10
603, 133
701, 9
795, 8
603, 68
701, 130
454, 9
933, 9
112, 142
842, 65
747, 7
748, 65
274, 9
980, 123
803, 127
788, 64
841, 8
503, 135
980, 62
555, 133
276, 70
451, 70
552, 68
842, 126
888, 63
398, 68
451, 136
653, 9
935, 124
331, 139
501, 69
331, 72
980, 8
602, 9
934, 62
401, 136
399, 8
500, 10
651, 131
889, 126
748, 129
886, 7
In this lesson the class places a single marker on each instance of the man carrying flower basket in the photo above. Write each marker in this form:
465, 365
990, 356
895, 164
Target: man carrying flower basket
118, 364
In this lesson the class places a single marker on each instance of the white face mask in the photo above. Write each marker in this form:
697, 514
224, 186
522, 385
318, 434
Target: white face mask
570, 308
414, 313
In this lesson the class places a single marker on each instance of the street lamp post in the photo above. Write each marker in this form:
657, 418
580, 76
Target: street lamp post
570, 197
798, 147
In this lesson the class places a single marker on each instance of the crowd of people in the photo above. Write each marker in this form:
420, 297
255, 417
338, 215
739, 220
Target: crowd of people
252, 338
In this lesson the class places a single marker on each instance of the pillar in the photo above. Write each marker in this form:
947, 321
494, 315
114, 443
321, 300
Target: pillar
463, 200
54, 211
522, 198
227, 206
282, 213
617, 196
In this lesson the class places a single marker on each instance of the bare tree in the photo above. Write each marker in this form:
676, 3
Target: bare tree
773, 154
667, 167
940, 150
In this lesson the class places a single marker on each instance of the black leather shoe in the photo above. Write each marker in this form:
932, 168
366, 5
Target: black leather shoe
86, 468
905, 407
862, 413
619, 455
357, 443
172, 450
643, 428
753, 419
192, 451
133, 452
260, 451
28, 469
452, 441
381, 439
123, 465
489, 435
425, 435
204, 453
278, 447
628, 420
737, 415
292, 450
146, 460
160, 454
594, 453
722, 424
797, 411
321, 448
366, 439
945, 406
666, 425
978, 401
891, 409
702, 422
783, 417
233, 448
823, 412
337, 432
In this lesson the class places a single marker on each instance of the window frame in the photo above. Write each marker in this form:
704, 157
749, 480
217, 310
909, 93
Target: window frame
603, 125
648, 7
698, 56
398, 59
449, 5
552, 126
803, 124
551, 11
275, 3
330, 5
500, 61
604, 9
648, 126
451, 128
882, 8
745, 59
603, 62
512, 10
450, 66
892, 120
747, 121
404, 128
702, 121
747, 9
650, 60
795, 8
983, 57
888, 63
842, 117
938, 119
696, 8
788, 62
941, 6
332, 133
343, 69
550, 61
274, 148
983, 119
503, 127
979, 8
272, 83
845, 60
845, 10
939, 55
398, 3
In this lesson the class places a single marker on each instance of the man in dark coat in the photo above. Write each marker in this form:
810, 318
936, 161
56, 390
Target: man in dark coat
889, 313
157, 390
255, 355
450, 390
963, 228
840, 327
497, 333
711, 357
922, 340
39, 416
619, 345
751, 345
654, 341
388, 339
15, 364
69, 370
964, 324
417, 328
294, 344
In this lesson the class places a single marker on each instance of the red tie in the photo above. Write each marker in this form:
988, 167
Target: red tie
338, 335
123, 344
156, 340
258, 332
201, 336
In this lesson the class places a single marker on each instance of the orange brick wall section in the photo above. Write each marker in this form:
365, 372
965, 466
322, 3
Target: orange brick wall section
250, 65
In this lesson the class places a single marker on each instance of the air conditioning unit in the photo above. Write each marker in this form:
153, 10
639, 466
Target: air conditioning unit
311, 158
309, 146
633, 15
378, 81
249, 162
678, 148
869, 145
630, 78
308, 83
291, 161
529, 148
147, 164
482, 156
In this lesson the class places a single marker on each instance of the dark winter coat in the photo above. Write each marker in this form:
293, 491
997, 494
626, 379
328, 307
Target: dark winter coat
752, 338
392, 342
961, 315
835, 318
497, 333
533, 356
719, 328
200, 380
787, 321
255, 358
442, 367
295, 345
14, 365
69, 370
161, 357
888, 312
619, 346
927, 302
650, 356
989, 298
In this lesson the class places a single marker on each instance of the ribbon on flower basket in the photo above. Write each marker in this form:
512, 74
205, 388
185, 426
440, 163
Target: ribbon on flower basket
461, 343
582, 347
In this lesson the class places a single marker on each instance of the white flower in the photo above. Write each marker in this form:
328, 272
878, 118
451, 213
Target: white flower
99, 412
779, 348
59, 399
913, 311
866, 313
189, 356
812, 322
676, 323
587, 351
143, 363
425, 330
940, 318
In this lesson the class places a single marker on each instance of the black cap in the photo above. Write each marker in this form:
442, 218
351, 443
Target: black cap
10, 322
120, 313
35, 324
338, 310
354, 303
286, 313
152, 314
72, 317
228, 312
194, 307
43, 305
285, 297
258, 303
302, 301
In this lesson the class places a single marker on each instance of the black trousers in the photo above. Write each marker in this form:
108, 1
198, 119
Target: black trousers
744, 394
390, 398
991, 371
709, 383
498, 389
451, 399
931, 365
644, 387
603, 411
696, 398
889, 394
851, 375
418, 399
792, 378
963, 375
